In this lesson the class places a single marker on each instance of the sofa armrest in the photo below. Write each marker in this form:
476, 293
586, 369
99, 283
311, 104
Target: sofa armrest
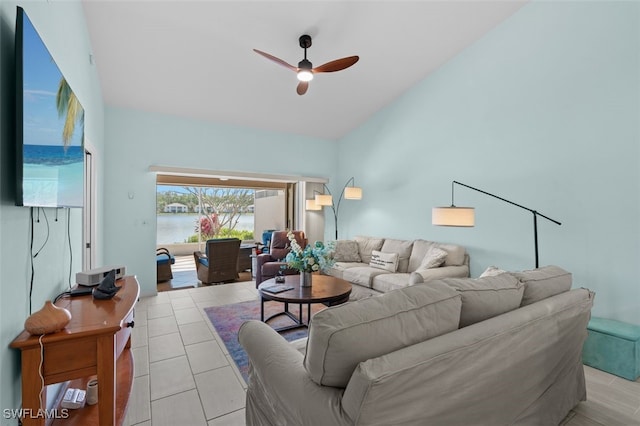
461, 271
261, 259
264, 258
200, 258
280, 391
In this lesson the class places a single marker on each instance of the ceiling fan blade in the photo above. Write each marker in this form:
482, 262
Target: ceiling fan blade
302, 87
337, 65
276, 60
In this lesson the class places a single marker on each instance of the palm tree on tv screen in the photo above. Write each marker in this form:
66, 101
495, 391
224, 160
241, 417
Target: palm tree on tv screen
67, 103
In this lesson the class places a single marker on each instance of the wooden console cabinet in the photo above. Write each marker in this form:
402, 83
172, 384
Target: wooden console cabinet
95, 343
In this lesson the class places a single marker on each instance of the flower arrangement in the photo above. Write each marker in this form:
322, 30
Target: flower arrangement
314, 257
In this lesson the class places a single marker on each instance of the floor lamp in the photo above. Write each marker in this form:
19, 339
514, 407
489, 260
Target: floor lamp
465, 216
321, 200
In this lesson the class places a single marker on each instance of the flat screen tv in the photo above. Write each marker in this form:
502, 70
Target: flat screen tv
49, 127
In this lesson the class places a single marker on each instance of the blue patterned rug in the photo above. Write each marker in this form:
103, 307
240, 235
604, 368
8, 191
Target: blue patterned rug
227, 320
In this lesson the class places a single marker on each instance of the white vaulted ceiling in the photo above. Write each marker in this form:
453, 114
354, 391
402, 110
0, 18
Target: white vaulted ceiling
194, 58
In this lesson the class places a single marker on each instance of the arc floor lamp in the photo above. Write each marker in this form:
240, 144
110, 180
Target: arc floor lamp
465, 216
348, 193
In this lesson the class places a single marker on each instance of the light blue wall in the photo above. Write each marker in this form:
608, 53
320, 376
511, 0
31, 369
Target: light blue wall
137, 140
543, 111
62, 26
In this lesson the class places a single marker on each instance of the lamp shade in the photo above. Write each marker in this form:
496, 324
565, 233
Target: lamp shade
324, 200
352, 193
453, 216
312, 205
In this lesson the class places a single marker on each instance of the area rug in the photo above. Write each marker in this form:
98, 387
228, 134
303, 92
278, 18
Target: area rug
227, 320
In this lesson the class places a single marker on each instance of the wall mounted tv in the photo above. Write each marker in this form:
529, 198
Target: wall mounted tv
49, 127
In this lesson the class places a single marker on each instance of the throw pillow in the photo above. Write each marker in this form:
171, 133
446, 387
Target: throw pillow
386, 261
346, 251
341, 337
433, 258
403, 248
492, 271
366, 245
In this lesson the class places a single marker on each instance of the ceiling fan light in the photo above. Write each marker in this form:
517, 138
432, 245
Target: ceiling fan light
305, 75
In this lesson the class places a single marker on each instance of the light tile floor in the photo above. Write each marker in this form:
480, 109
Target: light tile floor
184, 375
183, 372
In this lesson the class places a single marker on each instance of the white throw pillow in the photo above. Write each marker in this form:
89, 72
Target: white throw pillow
492, 271
433, 258
386, 261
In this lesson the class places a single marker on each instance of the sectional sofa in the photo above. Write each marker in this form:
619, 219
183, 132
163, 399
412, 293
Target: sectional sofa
377, 265
502, 349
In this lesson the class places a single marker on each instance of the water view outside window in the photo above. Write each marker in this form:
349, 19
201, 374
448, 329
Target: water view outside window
190, 214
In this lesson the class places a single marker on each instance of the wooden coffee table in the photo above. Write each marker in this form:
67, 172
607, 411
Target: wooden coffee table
325, 289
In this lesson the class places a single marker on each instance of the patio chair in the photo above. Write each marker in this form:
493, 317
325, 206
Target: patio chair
164, 260
270, 264
220, 261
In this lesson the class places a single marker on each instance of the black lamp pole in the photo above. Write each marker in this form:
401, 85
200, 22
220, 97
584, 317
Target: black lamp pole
336, 207
535, 213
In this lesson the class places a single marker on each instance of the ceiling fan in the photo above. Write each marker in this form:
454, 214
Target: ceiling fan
305, 70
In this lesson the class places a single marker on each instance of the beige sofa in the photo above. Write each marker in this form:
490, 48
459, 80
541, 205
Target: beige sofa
402, 357
432, 260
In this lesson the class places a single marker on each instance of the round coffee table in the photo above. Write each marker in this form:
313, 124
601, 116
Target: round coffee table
324, 289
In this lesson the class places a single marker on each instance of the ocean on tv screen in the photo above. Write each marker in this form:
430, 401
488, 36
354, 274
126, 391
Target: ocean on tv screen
53, 176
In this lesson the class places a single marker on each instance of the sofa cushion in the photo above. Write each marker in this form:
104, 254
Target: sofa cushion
455, 256
543, 282
346, 251
341, 337
433, 258
366, 245
418, 251
338, 268
386, 261
403, 248
362, 275
388, 282
484, 298
165, 259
